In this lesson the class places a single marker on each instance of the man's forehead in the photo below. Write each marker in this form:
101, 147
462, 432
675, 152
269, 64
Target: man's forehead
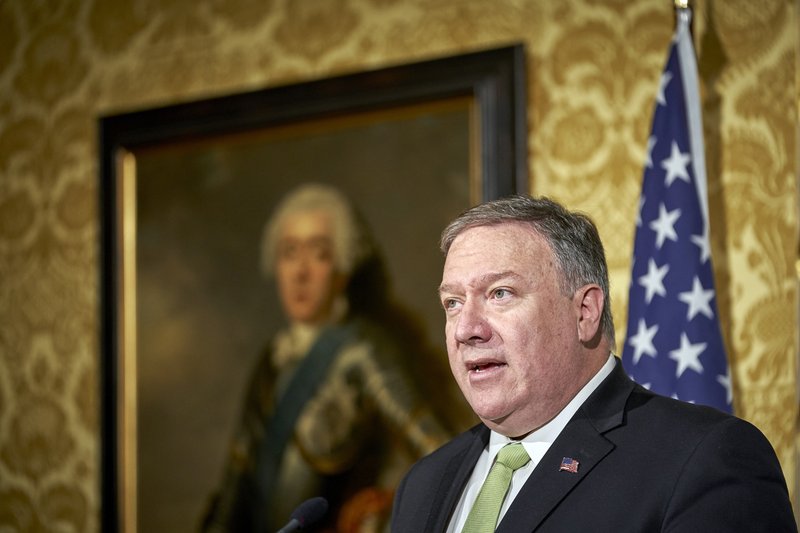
316, 238
517, 228
316, 222
511, 238
485, 254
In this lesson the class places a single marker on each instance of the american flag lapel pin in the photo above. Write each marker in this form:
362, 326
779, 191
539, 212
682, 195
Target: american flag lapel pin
569, 464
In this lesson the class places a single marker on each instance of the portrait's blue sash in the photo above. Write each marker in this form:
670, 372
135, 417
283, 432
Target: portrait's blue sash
280, 426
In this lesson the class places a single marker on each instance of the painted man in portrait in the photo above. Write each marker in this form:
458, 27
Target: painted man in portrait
331, 409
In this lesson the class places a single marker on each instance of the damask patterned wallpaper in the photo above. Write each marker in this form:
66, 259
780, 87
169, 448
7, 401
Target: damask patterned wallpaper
593, 69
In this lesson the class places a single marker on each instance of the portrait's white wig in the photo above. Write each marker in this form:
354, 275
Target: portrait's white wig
350, 243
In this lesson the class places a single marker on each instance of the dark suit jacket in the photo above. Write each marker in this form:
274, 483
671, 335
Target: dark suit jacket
647, 463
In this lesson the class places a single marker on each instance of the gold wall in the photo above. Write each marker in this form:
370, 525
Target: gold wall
593, 70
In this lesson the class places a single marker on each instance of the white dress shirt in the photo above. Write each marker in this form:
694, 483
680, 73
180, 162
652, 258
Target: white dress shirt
536, 444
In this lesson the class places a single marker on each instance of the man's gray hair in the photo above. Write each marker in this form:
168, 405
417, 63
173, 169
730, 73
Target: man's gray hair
351, 245
572, 237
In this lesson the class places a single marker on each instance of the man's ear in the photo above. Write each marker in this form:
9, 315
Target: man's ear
589, 301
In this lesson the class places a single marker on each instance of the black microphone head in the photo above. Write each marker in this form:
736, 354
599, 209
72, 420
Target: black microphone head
310, 511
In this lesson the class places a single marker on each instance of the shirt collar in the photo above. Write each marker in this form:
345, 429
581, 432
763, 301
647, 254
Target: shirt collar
537, 442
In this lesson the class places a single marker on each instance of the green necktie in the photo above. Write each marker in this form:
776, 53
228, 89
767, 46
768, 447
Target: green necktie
483, 516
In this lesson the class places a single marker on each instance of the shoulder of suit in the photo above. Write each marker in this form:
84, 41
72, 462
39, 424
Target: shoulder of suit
672, 413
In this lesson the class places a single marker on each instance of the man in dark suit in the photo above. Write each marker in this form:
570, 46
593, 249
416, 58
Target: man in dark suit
529, 336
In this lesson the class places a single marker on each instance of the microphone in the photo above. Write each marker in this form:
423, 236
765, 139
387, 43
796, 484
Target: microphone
306, 514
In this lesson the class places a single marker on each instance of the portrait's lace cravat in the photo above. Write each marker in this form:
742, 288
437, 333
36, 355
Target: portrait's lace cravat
483, 516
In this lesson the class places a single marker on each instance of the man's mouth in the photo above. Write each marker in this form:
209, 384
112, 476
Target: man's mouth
484, 366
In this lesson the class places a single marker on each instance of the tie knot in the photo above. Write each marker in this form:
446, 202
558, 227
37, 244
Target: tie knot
513, 456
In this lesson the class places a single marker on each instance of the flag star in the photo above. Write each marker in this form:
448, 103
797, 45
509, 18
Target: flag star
642, 342
651, 142
653, 281
725, 381
698, 300
688, 356
675, 165
666, 77
664, 226
703, 243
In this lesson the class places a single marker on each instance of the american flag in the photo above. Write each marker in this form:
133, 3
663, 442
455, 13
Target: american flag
674, 345
569, 464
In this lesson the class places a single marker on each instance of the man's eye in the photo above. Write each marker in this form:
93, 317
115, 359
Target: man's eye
321, 249
323, 255
499, 294
287, 251
450, 303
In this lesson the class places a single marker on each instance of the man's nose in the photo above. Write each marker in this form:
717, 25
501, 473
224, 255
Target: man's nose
472, 326
302, 267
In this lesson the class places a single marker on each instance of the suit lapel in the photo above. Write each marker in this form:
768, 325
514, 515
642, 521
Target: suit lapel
456, 475
582, 440
548, 485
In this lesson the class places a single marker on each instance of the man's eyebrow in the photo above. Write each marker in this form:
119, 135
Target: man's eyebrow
488, 278
445, 287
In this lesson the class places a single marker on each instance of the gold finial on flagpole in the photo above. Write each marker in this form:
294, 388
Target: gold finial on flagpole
683, 10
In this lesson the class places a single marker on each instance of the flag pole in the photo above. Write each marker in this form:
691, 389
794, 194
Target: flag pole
691, 81
683, 6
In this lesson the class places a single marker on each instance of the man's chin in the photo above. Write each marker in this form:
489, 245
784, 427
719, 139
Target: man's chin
491, 417
304, 316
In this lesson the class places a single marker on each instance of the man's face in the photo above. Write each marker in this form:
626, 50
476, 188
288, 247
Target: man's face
308, 282
511, 334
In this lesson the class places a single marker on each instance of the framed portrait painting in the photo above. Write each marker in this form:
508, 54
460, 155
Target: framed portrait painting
186, 192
